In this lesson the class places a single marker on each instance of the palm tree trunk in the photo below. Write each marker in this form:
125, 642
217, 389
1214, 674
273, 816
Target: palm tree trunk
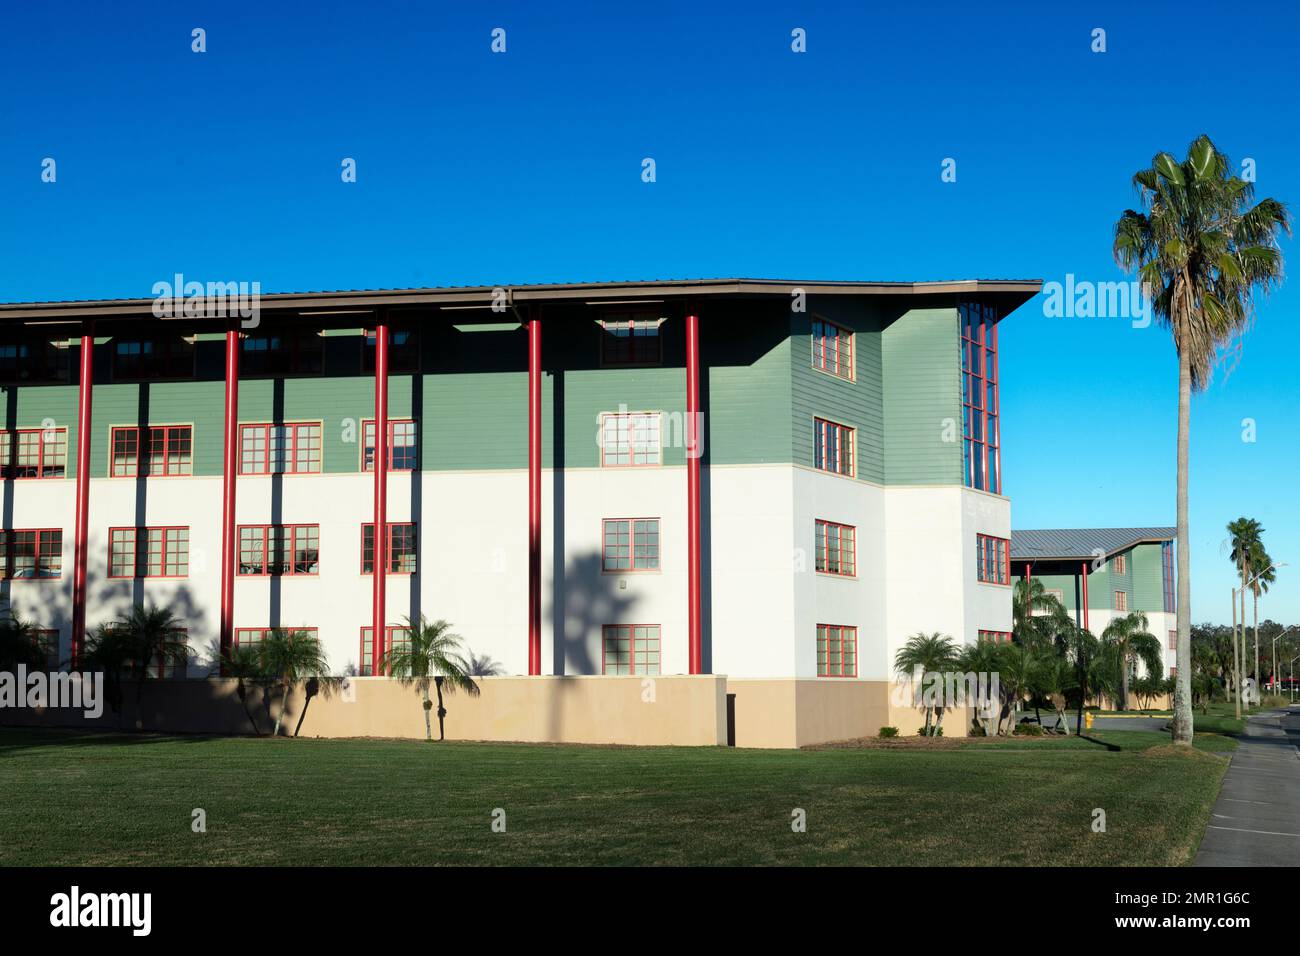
1123, 682
442, 711
242, 690
1255, 596
1236, 656
428, 726
284, 705
1183, 656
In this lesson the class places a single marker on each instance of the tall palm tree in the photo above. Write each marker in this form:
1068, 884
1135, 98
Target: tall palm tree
1244, 538
1129, 641
431, 655
1206, 251
290, 656
149, 635
1265, 574
931, 653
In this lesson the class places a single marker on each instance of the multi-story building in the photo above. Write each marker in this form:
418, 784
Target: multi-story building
1100, 574
740, 477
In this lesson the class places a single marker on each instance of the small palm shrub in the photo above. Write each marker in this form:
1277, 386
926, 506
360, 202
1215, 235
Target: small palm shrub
889, 731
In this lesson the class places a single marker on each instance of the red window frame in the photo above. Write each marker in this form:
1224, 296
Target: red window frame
640, 426
1173, 672
157, 357
17, 455
630, 544
173, 536
46, 553
644, 655
299, 450
1118, 564
993, 559
846, 563
403, 349
1167, 569
404, 531
286, 352
845, 447
996, 637
832, 349
631, 338
176, 443
842, 638
1120, 601
166, 670
1173, 640
411, 454
391, 634
981, 408
46, 640
257, 547
245, 635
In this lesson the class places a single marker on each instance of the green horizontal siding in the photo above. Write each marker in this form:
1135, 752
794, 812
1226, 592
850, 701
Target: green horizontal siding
921, 360
1147, 579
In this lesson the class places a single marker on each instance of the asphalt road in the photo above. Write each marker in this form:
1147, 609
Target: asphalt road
1256, 820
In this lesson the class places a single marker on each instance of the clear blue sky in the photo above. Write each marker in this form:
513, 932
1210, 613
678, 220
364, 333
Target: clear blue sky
523, 167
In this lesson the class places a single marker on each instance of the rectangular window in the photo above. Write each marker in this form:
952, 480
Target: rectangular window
401, 548
836, 548
833, 447
1167, 566
992, 559
31, 554
292, 352
292, 448
403, 350
1117, 564
168, 452
252, 636
1173, 640
837, 651
1173, 672
630, 544
832, 349
34, 453
47, 642
981, 449
402, 445
148, 552
279, 549
995, 637
1121, 600
151, 358
395, 638
630, 649
630, 339
631, 440
32, 361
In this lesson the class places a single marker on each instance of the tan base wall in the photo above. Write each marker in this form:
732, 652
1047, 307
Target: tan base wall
678, 711
795, 713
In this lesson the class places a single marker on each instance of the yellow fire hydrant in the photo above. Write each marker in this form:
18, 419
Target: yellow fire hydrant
1087, 720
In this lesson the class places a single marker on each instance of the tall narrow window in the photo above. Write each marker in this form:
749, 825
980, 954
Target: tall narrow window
833, 447
992, 559
167, 452
630, 544
148, 552
395, 639
1118, 564
630, 339
836, 548
1173, 640
631, 440
832, 348
837, 651
402, 445
1121, 600
630, 649
34, 453
31, 554
1167, 567
401, 548
291, 448
981, 456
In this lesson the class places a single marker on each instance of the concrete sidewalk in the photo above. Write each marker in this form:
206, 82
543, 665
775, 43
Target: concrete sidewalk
1256, 820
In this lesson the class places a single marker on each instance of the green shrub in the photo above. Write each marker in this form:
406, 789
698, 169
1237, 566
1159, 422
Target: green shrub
1029, 730
889, 731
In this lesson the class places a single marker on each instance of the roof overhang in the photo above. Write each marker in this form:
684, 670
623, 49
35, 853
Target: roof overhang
1013, 292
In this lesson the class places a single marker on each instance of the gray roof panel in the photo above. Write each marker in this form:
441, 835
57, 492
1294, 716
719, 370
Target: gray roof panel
1081, 543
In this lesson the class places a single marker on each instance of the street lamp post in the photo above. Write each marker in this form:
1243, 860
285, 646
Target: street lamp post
1276, 638
1242, 659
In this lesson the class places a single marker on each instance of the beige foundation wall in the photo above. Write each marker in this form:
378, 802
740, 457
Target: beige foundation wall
660, 711
796, 713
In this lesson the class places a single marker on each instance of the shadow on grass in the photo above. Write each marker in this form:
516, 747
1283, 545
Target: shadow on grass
14, 740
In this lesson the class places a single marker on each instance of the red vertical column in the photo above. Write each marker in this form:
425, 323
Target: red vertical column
85, 385
535, 493
1083, 571
228, 477
380, 566
693, 451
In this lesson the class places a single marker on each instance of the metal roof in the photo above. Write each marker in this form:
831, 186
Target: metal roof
1081, 543
451, 296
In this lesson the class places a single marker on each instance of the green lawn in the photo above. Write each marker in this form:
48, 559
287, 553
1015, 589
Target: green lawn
71, 799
